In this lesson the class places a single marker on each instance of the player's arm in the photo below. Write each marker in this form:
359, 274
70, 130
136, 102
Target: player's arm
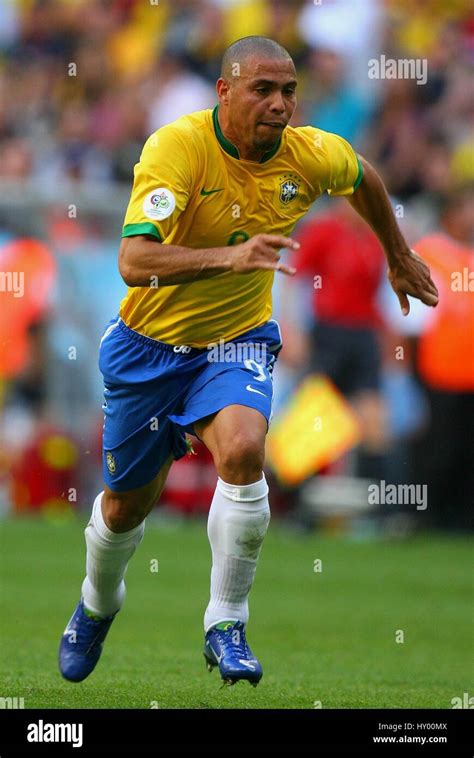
143, 260
408, 273
164, 180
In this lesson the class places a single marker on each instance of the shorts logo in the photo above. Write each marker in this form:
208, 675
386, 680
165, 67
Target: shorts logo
111, 465
289, 186
159, 204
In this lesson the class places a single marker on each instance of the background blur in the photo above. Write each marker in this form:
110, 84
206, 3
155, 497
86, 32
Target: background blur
82, 84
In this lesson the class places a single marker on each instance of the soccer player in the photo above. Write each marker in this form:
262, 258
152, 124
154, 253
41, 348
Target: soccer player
215, 198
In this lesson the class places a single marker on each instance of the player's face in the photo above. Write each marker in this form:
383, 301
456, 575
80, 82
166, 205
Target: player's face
261, 101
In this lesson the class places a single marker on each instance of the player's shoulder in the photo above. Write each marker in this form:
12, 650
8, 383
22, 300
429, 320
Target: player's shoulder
184, 131
310, 137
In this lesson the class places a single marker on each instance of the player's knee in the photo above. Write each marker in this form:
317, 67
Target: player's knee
121, 514
241, 457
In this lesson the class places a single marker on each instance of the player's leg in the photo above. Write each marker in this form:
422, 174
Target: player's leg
238, 521
142, 385
229, 406
112, 535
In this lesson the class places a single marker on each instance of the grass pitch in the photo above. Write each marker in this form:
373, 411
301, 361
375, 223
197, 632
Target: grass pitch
324, 638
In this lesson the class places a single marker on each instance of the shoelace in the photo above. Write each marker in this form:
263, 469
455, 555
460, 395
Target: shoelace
241, 648
100, 630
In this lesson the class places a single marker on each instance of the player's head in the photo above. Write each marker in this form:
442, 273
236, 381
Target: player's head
256, 92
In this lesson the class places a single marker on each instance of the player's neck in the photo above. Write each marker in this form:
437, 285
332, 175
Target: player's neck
251, 154
246, 152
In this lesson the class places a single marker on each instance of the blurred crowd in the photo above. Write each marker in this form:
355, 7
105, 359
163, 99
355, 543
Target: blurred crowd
84, 82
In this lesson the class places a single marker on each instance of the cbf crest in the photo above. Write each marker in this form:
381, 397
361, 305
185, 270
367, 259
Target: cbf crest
111, 463
289, 188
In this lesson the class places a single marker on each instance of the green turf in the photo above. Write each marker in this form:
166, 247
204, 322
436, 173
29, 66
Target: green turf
327, 636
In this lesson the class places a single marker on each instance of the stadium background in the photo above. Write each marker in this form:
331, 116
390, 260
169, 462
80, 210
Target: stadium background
82, 84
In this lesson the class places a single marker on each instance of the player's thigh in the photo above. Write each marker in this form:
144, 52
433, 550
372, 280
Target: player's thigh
236, 432
143, 385
123, 508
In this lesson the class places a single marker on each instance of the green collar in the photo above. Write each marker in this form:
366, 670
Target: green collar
230, 148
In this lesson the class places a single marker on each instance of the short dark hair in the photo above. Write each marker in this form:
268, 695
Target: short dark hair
245, 47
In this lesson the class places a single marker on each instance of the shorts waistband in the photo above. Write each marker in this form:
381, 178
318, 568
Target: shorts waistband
185, 349
144, 340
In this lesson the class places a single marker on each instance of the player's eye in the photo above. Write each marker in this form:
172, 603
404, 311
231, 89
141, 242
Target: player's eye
262, 89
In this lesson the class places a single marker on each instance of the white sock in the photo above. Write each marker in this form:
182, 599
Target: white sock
108, 554
238, 521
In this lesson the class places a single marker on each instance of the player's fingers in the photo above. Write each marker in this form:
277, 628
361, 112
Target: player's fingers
433, 288
429, 298
428, 283
289, 270
276, 240
268, 266
428, 288
404, 303
271, 253
425, 291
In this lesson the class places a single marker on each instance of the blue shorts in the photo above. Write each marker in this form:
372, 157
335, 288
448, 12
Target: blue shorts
154, 392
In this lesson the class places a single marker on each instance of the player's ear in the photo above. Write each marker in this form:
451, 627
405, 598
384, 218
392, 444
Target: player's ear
222, 88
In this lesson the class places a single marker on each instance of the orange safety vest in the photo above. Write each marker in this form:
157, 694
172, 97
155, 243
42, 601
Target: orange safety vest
446, 348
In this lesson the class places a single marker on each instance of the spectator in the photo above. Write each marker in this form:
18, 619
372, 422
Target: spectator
337, 106
139, 65
346, 262
446, 366
177, 91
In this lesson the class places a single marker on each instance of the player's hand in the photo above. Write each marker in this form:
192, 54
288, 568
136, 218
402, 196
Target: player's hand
410, 275
262, 252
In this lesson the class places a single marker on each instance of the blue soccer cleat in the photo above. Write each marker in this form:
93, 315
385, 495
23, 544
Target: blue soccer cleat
226, 647
81, 644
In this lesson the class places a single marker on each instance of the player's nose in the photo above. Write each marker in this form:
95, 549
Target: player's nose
277, 104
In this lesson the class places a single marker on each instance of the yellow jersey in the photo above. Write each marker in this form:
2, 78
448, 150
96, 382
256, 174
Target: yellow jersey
191, 188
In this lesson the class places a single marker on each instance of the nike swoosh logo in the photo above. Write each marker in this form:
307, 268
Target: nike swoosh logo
246, 663
218, 657
251, 389
210, 192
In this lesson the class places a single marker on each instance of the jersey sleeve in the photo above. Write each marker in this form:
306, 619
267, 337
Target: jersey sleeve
162, 185
345, 168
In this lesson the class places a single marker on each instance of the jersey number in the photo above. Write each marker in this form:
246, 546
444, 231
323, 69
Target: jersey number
252, 365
